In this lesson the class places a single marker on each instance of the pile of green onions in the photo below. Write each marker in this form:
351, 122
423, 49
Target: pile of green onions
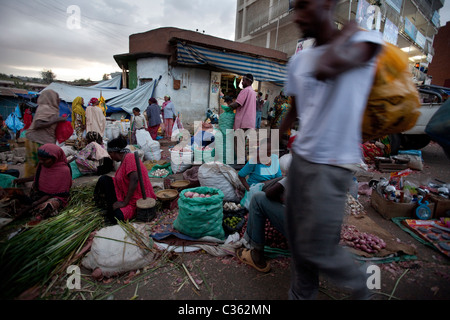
34, 256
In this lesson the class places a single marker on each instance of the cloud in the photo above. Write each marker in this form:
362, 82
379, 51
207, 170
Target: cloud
36, 35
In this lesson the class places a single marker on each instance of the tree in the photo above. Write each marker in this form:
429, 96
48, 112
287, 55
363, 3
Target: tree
48, 76
106, 77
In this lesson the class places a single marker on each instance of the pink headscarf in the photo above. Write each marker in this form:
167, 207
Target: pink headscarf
56, 180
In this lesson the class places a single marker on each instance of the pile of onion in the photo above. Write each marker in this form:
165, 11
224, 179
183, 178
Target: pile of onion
274, 238
363, 241
190, 194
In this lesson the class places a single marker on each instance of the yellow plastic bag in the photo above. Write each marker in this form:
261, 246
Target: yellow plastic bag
393, 104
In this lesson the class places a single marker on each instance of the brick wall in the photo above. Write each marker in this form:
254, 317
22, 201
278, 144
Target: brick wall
439, 68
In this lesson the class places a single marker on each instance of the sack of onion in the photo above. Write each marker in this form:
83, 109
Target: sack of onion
200, 213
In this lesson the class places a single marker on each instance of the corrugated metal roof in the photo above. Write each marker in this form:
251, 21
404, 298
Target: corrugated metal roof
11, 92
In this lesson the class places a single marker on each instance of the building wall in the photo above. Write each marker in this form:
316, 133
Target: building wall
191, 99
259, 19
439, 68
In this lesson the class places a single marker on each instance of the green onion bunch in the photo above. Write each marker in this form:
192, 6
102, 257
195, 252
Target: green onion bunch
34, 256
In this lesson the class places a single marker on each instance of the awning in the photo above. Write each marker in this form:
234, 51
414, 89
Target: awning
262, 69
134, 98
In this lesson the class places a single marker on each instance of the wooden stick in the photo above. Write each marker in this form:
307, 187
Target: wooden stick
190, 277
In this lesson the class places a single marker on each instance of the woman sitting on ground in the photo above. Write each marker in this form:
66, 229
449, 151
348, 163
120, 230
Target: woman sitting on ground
119, 194
94, 159
50, 191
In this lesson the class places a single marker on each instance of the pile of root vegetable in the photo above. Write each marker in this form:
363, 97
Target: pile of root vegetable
350, 236
273, 237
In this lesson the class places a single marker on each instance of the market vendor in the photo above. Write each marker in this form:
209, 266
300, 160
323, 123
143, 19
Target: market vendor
93, 159
203, 137
119, 194
50, 191
264, 205
259, 171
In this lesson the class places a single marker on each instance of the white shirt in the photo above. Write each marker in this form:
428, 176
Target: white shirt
330, 112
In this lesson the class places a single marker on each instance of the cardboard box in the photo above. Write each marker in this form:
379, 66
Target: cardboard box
389, 209
442, 205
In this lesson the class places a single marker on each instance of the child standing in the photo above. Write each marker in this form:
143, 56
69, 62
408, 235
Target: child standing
137, 122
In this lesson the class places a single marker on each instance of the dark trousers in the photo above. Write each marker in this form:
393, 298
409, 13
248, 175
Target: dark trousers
316, 195
105, 196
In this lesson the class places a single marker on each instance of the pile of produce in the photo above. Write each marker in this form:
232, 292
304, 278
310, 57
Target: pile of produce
233, 216
363, 241
160, 172
232, 221
231, 206
354, 207
274, 238
35, 255
190, 194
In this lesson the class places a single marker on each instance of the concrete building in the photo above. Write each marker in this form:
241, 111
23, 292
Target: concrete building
409, 24
194, 68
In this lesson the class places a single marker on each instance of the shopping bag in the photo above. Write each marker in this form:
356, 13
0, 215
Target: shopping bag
13, 123
175, 129
393, 104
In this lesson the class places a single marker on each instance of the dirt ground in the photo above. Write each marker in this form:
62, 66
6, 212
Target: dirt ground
201, 276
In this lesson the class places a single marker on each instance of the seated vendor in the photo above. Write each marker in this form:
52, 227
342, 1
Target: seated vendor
203, 137
51, 184
264, 205
119, 194
257, 172
94, 159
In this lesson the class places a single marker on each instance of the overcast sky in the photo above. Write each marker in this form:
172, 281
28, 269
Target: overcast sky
42, 34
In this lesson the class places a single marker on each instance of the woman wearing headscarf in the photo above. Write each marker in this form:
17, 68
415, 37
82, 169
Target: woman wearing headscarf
119, 194
42, 129
94, 159
50, 191
78, 120
95, 118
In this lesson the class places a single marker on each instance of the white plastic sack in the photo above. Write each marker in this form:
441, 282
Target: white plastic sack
151, 148
111, 131
180, 161
114, 252
144, 140
152, 155
221, 176
115, 132
123, 127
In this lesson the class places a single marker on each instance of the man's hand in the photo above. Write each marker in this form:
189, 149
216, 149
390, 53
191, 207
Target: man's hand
275, 192
342, 56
